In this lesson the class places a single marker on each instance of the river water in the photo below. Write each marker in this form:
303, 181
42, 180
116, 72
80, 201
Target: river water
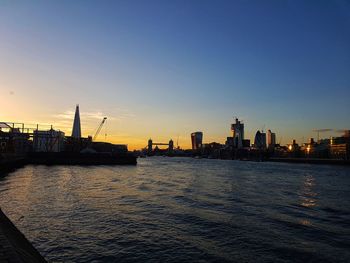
183, 210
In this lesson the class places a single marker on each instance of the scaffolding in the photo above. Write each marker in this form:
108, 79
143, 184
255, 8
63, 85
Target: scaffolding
19, 137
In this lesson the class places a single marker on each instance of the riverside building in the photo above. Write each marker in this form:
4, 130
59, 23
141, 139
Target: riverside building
271, 139
197, 140
260, 140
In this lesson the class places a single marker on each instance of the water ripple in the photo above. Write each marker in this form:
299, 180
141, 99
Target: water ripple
183, 210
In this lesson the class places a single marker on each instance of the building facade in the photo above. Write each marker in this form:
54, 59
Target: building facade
76, 131
197, 140
13, 141
271, 139
237, 129
260, 140
340, 146
48, 141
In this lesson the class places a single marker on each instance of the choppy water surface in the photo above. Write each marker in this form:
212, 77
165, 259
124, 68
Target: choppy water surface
183, 210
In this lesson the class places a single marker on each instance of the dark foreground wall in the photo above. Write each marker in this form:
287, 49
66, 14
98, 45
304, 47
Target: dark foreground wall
71, 158
14, 247
10, 164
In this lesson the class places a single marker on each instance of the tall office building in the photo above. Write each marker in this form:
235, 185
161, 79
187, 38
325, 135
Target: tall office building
237, 129
271, 139
260, 140
197, 140
76, 132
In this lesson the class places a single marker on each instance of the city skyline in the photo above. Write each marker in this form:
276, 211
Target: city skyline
164, 70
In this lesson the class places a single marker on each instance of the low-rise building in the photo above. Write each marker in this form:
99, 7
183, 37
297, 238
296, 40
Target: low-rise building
13, 140
340, 147
48, 141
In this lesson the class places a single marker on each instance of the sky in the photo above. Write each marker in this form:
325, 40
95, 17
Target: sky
164, 69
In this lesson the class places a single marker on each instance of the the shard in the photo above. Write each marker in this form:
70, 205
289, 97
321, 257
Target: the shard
76, 133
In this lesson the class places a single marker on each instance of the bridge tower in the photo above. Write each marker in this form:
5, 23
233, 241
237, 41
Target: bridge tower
150, 145
171, 146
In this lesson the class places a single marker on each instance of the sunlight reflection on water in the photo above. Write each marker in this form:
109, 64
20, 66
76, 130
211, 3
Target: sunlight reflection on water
183, 209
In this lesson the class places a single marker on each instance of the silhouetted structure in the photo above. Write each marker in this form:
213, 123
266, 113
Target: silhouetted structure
50, 146
237, 129
150, 146
76, 132
48, 141
197, 140
340, 146
171, 146
212, 150
260, 140
271, 139
156, 150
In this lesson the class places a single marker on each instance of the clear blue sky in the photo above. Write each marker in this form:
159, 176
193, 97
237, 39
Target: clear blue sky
163, 69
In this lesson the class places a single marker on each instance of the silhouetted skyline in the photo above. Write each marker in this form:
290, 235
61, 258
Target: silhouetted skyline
164, 69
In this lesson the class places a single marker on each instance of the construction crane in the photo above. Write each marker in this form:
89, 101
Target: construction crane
99, 129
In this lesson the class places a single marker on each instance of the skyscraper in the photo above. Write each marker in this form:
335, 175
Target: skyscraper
238, 134
76, 132
197, 140
260, 140
271, 139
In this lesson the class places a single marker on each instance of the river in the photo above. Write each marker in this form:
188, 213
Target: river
183, 210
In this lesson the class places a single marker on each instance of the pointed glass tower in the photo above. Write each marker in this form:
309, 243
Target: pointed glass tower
76, 133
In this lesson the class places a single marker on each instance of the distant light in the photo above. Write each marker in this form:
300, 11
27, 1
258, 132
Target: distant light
308, 149
290, 147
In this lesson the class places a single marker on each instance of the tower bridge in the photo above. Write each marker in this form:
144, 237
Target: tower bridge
150, 145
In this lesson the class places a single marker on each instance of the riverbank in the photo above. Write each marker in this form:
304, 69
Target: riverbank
72, 158
10, 162
14, 246
310, 161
